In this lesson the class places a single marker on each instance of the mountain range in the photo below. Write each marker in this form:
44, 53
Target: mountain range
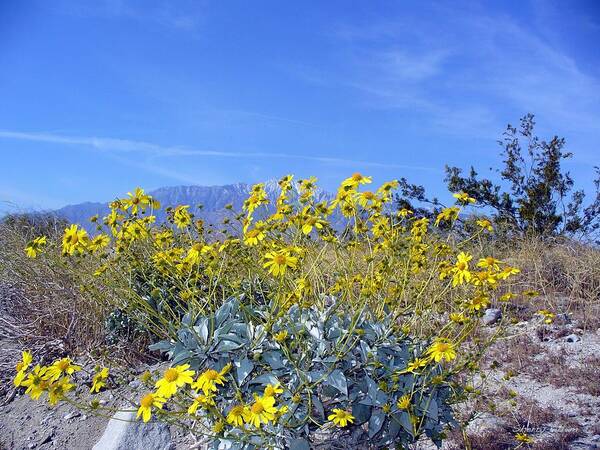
212, 198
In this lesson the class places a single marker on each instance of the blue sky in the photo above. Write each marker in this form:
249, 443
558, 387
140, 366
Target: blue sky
97, 97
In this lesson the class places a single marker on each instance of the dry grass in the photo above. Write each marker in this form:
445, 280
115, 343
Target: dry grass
42, 301
565, 272
43, 306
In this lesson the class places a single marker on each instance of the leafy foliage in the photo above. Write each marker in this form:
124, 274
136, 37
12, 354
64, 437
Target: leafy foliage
534, 194
325, 361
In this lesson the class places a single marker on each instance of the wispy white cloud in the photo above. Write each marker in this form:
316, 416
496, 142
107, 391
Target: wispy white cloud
467, 70
184, 15
152, 153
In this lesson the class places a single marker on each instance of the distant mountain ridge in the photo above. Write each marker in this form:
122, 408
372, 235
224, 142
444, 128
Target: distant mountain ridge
212, 198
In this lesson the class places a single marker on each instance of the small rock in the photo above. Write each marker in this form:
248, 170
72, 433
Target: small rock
84, 417
48, 437
562, 319
31, 445
135, 384
572, 338
123, 432
491, 316
72, 415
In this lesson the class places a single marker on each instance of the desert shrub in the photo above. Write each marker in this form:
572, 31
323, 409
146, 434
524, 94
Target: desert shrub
283, 322
533, 194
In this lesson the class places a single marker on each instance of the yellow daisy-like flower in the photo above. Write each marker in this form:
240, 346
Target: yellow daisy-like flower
478, 303
489, 263
340, 417
309, 222
461, 269
99, 242
355, 180
463, 198
441, 350
403, 402
447, 215
74, 240
236, 415
181, 216
485, 224
58, 389
36, 382
22, 367
61, 367
272, 390
548, 316
404, 212
507, 297
279, 262
99, 380
34, 247
524, 438
137, 201
415, 365
218, 427
201, 401
173, 379
261, 411
507, 272
254, 236
147, 403
280, 336
208, 380
459, 318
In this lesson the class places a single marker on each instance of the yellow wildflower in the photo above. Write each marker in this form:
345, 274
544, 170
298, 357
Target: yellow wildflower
340, 417
485, 224
478, 303
463, 198
415, 365
524, 438
447, 215
209, 379
272, 390
58, 389
74, 240
147, 403
181, 216
99, 242
261, 411
281, 336
489, 263
173, 379
236, 415
404, 402
254, 236
137, 200
22, 367
461, 269
441, 350
61, 367
36, 382
201, 401
34, 247
99, 380
278, 262
218, 427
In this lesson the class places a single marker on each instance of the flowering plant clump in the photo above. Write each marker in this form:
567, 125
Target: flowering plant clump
273, 383
301, 312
